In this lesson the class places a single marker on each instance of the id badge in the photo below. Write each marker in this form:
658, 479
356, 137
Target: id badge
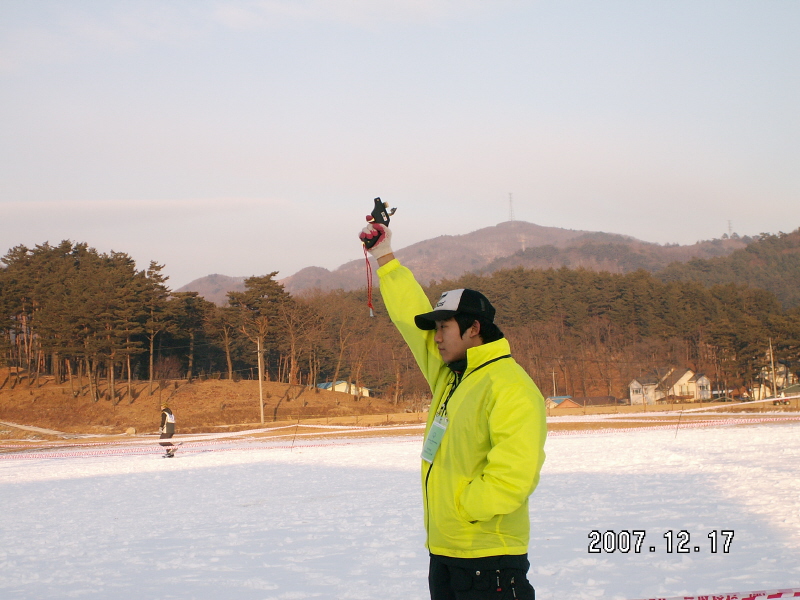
434, 439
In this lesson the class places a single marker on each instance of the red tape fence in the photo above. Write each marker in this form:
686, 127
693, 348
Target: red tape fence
184, 448
785, 593
121, 448
674, 426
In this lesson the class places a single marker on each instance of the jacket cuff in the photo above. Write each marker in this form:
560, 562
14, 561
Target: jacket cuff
388, 267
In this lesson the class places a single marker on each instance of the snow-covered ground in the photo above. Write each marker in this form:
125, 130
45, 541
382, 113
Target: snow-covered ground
342, 518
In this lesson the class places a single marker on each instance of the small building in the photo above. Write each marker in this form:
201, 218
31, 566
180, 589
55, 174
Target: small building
685, 384
560, 402
783, 379
701, 387
643, 390
346, 387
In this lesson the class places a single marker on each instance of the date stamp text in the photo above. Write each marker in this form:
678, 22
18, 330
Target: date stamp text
625, 541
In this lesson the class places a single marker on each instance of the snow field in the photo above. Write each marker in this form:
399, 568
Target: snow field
344, 520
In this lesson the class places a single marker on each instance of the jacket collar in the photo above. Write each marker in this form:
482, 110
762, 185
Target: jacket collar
478, 355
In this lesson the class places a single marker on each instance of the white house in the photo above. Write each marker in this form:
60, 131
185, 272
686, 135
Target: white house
783, 378
661, 384
346, 387
700, 386
643, 390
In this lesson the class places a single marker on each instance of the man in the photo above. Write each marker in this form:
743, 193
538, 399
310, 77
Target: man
484, 439
167, 430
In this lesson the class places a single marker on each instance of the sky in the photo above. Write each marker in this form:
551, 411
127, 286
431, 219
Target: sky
249, 136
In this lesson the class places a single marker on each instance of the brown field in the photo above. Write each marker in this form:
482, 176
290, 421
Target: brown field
199, 406
660, 409
45, 410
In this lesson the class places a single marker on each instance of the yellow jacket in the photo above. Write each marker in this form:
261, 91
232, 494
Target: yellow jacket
475, 494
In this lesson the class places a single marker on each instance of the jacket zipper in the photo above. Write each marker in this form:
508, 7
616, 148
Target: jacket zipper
454, 384
457, 379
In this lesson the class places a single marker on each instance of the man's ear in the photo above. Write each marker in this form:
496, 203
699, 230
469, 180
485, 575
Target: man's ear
474, 329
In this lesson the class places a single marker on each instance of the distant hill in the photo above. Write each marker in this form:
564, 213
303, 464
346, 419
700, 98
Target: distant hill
215, 288
441, 257
506, 245
613, 253
772, 263
518, 244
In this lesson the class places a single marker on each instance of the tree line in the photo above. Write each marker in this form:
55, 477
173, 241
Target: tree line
772, 262
95, 321
610, 252
593, 332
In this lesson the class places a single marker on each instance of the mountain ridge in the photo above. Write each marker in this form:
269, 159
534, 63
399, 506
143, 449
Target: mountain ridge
215, 287
505, 245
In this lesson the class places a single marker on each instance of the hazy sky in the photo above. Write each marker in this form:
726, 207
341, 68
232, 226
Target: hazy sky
242, 137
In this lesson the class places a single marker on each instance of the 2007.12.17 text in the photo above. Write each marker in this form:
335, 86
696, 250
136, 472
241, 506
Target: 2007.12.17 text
625, 541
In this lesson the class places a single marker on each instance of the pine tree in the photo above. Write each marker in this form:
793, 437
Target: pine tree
155, 319
257, 309
187, 311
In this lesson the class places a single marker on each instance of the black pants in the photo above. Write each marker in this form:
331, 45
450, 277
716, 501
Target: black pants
450, 582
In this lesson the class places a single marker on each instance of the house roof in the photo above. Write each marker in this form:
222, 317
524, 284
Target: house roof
329, 384
654, 377
665, 378
559, 400
563, 402
673, 377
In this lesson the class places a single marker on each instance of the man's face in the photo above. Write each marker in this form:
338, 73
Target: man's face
452, 345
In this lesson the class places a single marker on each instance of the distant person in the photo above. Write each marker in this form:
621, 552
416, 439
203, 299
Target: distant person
167, 430
484, 440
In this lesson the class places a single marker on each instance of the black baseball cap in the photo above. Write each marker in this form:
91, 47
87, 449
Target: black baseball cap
463, 301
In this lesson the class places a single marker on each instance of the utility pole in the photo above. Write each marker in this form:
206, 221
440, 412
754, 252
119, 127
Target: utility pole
554, 385
772, 363
260, 378
510, 206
